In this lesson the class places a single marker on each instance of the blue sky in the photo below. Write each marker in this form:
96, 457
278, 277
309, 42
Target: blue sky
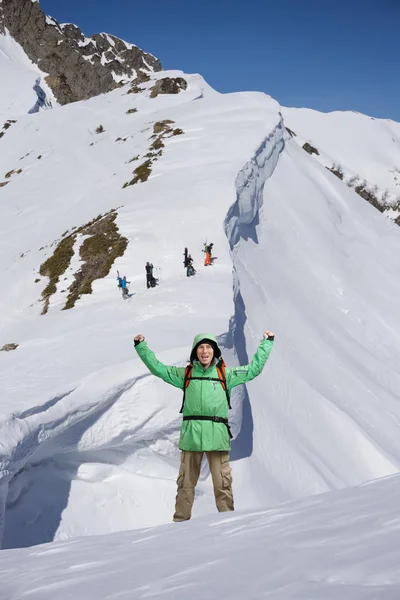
327, 55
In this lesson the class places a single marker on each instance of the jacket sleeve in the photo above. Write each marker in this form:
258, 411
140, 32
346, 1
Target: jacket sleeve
173, 375
239, 375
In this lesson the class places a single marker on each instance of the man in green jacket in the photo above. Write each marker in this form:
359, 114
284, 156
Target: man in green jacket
205, 413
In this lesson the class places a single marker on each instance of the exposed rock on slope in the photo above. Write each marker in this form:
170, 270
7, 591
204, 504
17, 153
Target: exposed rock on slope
360, 150
168, 85
79, 67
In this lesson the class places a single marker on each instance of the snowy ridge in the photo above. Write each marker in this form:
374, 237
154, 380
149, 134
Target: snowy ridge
240, 225
333, 380
250, 186
358, 144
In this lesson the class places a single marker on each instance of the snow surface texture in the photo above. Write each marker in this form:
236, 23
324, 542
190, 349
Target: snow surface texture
361, 145
88, 437
23, 89
333, 546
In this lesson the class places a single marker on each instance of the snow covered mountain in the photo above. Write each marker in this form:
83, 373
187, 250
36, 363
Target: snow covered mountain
362, 151
76, 67
88, 439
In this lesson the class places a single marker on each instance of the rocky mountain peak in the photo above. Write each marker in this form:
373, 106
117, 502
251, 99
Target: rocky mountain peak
78, 67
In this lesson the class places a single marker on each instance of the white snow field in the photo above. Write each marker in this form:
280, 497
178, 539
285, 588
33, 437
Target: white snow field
361, 145
88, 438
333, 546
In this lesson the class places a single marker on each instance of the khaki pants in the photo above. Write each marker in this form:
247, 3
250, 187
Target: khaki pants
189, 473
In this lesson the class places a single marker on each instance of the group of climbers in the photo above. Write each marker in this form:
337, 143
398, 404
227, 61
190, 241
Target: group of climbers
188, 260
151, 281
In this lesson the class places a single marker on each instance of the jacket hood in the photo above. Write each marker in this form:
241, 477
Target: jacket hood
205, 336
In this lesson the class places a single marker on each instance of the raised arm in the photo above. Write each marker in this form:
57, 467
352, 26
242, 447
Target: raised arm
173, 375
243, 374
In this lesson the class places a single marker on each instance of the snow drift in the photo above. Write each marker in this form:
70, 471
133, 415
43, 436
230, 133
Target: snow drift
341, 544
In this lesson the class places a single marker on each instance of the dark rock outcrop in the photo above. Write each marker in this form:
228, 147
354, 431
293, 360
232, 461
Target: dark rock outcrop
9, 347
6, 127
168, 85
310, 149
78, 67
336, 172
371, 198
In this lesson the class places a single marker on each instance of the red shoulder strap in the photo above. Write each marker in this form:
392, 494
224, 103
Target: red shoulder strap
221, 373
188, 373
221, 370
186, 381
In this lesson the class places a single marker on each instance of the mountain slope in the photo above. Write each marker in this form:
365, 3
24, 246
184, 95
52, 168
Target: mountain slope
321, 265
355, 143
342, 544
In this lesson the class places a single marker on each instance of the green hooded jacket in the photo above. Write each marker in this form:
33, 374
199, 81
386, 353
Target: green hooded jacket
205, 398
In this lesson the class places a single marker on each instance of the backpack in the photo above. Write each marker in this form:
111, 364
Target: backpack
221, 367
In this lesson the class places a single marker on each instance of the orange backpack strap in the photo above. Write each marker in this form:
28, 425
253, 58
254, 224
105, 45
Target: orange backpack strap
221, 378
186, 381
221, 370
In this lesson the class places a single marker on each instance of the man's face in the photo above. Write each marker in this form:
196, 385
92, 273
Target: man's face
205, 354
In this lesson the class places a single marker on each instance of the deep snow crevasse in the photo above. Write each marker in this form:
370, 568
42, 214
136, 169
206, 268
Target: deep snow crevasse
30, 432
240, 224
250, 181
34, 428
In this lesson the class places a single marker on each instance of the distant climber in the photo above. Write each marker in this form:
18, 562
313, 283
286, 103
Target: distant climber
206, 384
208, 252
190, 270
151, 281
124, 286
119, 279
188, 264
